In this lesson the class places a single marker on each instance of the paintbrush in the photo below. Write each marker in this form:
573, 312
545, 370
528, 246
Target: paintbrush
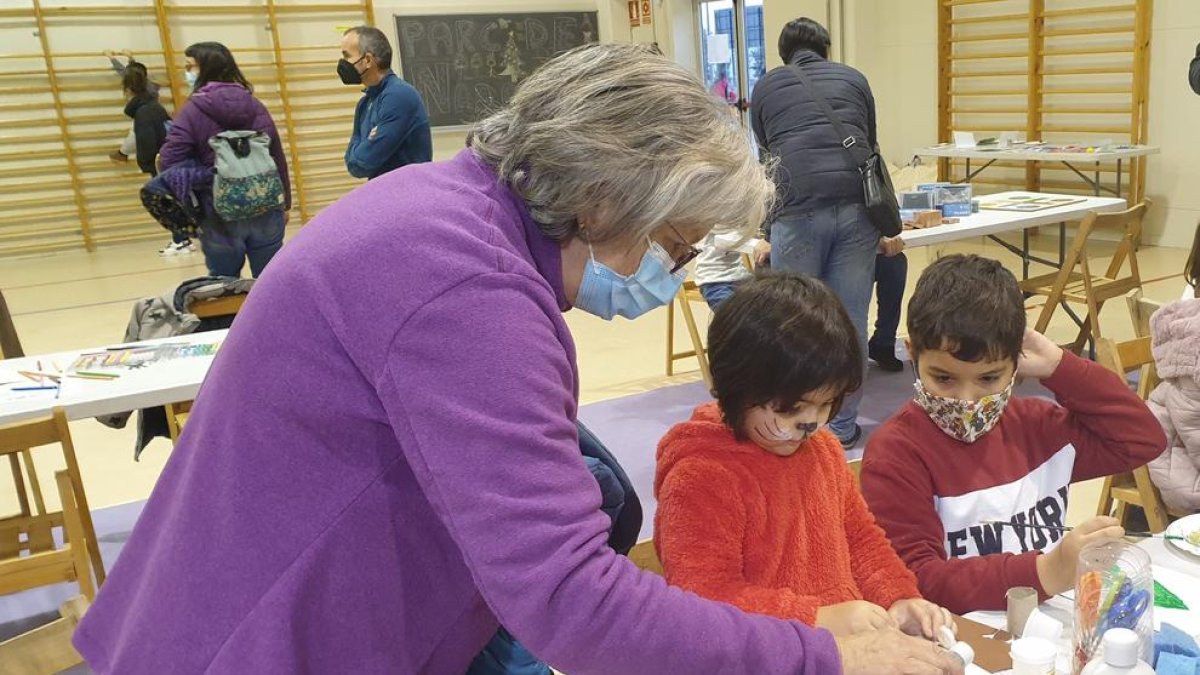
1055, 528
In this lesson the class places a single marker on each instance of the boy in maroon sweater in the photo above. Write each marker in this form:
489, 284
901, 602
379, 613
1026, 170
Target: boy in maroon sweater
959, 474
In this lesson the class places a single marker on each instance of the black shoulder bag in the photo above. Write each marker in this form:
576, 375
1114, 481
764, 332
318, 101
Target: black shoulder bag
882, 208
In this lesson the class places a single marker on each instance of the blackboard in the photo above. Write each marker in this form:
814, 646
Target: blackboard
467, 65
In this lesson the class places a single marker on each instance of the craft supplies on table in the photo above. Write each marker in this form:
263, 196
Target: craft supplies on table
1114, 588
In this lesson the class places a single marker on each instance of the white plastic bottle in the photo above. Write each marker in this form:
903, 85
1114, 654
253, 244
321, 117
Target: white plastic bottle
1120, 655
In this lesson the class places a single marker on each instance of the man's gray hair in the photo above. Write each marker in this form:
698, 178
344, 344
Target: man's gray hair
627, 139
371, 40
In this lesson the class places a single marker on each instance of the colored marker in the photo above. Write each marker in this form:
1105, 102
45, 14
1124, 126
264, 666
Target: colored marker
95, 375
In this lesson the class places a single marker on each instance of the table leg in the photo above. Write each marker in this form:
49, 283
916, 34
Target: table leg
1118, 177
1062, 244
1025, 254
968, 169
1078, 320
1096, 180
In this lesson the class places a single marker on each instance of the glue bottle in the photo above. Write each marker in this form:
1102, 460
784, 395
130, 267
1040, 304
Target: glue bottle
962, 650
1119, 655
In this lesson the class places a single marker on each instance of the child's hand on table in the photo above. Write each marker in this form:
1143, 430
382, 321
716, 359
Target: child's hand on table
1039, 356
920, 617
855, 616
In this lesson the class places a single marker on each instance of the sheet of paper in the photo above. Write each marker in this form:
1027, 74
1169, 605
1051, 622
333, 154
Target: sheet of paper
964, 139
1008, 138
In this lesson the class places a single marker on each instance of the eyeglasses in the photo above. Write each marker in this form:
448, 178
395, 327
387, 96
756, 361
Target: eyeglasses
687, 257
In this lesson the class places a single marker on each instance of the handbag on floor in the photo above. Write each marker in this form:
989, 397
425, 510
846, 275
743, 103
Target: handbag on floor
882, 208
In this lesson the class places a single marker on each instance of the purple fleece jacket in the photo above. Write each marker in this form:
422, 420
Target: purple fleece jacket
382, 466
217, 107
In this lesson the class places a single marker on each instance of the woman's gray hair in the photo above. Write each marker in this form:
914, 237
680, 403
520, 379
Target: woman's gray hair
628, 139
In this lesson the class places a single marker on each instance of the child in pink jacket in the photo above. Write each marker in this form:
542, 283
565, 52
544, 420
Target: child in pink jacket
1176, 402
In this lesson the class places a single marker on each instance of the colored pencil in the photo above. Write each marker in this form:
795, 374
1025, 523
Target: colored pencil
39, 388
37, 376
94, 376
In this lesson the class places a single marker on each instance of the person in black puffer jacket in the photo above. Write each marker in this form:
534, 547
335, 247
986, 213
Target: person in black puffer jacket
821, 227
150, 125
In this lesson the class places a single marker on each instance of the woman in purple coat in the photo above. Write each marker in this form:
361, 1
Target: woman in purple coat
383, 466
223, 100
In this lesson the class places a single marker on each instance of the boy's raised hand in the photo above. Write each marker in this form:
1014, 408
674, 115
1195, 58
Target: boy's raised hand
890, 652
855, 616
919, 617
1039, 356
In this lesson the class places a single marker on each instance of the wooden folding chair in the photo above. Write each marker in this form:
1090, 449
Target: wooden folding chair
645, 557
687, 295
10, 348
856, 469
1082, 286
1140, 311
19, 438
47, 649
211, 308
1133, 488
177, 414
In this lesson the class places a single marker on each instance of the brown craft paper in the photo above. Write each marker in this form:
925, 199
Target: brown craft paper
990, 645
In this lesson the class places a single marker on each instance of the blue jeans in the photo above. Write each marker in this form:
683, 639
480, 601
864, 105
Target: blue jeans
716, 293
835, 243
891, 275
226, 246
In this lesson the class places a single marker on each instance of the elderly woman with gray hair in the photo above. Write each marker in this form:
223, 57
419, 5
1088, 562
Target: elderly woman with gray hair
382, 465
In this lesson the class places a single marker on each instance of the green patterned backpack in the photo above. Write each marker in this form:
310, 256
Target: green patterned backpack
246, 181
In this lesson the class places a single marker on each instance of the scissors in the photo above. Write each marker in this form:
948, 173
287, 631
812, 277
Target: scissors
1127, 608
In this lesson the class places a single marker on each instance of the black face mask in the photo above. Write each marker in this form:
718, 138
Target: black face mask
348, 72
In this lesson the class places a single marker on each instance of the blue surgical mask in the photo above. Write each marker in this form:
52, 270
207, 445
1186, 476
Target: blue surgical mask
190, 76
606, 294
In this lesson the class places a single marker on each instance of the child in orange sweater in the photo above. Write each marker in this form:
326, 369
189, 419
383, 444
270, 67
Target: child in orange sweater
756, 505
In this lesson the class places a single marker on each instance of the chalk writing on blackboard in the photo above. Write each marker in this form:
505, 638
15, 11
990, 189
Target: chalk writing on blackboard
467, 65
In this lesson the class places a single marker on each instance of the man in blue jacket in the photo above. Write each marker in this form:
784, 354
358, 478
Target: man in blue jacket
821, 227
391, 127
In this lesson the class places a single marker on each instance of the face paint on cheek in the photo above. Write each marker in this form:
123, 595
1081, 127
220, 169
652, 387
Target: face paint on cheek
776, 432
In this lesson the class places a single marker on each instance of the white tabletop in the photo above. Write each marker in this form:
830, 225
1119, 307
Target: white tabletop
162, 382
1174, 570
996, 222
1031, 153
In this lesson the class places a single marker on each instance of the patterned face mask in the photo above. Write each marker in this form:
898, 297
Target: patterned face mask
963, 420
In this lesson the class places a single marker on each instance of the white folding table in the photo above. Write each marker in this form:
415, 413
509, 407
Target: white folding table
1044, 153
991, 224
159, 383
